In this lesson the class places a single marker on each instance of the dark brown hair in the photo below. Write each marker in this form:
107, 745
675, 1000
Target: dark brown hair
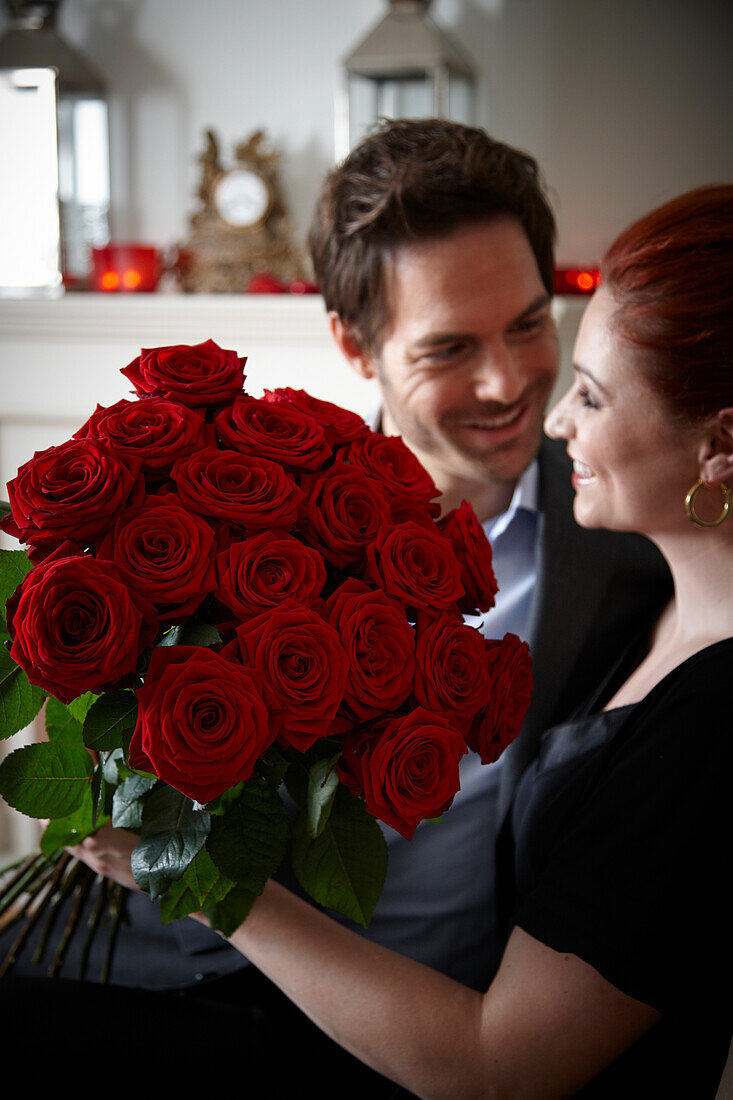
671, 275
414, 180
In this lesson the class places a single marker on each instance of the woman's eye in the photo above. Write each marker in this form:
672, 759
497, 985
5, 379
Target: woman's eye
587, 400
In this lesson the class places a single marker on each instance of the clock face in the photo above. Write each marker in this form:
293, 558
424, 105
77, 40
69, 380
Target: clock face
242, 197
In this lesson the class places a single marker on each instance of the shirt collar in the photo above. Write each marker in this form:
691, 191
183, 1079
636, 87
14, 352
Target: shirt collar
524, 499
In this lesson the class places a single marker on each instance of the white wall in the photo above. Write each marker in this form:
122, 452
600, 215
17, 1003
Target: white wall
624, 102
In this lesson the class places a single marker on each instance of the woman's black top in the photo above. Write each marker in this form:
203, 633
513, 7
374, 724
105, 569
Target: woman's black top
622, 856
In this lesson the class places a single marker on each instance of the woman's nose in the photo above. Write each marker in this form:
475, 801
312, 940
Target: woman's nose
557, 421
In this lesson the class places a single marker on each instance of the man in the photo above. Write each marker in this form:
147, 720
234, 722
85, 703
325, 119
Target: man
433, 247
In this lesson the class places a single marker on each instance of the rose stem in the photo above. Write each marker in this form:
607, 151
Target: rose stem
93, 924
34, 866
117, 908
70, 869
15, 914
41, 893
81, 890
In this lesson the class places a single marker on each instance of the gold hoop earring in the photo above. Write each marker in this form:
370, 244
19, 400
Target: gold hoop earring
690, 504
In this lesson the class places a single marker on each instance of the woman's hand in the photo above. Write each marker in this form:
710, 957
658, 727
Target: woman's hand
108, 853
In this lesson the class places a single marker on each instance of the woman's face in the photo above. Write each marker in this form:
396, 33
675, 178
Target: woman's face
632, 462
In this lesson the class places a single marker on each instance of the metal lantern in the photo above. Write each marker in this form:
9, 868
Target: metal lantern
54, 187
406, 67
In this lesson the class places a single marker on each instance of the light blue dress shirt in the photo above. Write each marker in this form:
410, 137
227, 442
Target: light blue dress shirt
438, 901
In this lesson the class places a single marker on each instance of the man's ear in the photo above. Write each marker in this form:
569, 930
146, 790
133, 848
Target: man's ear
716, 453
349, 344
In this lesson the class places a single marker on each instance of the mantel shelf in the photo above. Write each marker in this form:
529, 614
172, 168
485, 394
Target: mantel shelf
263, 318
189, 318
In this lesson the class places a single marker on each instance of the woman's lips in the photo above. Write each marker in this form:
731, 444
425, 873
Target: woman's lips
582, 474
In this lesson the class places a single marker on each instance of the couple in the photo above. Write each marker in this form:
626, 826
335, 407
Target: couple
602, 965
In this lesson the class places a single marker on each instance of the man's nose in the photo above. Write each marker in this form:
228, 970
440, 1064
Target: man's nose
499, 376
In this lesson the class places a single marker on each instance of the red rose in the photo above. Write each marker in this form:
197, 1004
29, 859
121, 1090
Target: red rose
388, 460
417, 566
510, 693
281, 433
303, 668
70, 493
248, 492
76, 627
201, 724
165, 552
195, 375
263, 571
451, 673
380, 645
473, 550
343, 512
153, 430
405, 510
343, 424
405, 768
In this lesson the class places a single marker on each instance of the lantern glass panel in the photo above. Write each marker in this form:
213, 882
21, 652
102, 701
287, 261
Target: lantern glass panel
83, 182
29, 220
460, 100
372, 98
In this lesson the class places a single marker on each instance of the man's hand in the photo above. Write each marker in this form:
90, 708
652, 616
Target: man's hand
108, 853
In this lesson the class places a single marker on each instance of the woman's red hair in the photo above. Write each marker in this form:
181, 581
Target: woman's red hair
671, 274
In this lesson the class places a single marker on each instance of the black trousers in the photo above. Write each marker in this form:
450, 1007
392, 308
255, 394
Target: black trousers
126, 1041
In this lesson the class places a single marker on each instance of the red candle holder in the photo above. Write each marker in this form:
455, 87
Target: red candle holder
576, 280
126, 268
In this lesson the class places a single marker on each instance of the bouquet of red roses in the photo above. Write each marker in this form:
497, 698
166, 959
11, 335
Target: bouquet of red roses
226, 596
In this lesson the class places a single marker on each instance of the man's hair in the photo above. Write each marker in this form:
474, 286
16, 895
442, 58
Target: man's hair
413, 180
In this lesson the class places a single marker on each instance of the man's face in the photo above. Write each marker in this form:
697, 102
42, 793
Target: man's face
468, 358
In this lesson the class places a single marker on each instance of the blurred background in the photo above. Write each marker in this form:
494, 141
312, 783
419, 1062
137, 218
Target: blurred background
623, 102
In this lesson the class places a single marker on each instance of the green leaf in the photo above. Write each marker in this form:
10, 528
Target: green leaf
202, 885
173, 833
46, 780
115, 770
79, 707
69, 830
248, 843
128, 801
227, 915
192, 632
20, 701
14, 565
110, 721
272, 766
60, 724
323, 782
5, 509
219, 804
344, 867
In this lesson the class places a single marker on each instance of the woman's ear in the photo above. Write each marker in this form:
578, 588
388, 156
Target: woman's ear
716, 453
349, 344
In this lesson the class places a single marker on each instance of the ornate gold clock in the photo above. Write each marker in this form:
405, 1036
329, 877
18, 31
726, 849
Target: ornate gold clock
241, 228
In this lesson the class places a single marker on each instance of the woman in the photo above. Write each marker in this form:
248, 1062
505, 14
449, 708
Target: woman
615, 978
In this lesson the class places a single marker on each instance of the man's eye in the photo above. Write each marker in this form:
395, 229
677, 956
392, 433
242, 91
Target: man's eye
447, 351
530, 324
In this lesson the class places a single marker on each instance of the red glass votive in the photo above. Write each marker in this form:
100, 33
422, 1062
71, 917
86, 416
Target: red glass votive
126, 268
576, 280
